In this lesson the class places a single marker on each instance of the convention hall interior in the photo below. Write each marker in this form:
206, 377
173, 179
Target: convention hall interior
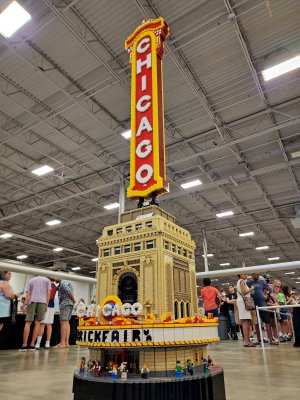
230, 114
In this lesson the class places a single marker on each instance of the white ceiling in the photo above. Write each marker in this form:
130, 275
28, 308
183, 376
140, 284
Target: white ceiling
65, 100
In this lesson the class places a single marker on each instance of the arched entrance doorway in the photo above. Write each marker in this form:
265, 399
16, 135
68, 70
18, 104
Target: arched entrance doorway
128, 288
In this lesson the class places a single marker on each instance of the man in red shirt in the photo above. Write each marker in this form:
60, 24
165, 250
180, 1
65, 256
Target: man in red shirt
210, 296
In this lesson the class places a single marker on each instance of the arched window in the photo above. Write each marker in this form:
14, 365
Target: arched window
176, 309
182, 309
188, 312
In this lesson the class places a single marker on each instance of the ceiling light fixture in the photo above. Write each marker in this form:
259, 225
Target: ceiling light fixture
273, 258
45, 169
92, 272
95, 259
262, 248
208, 255
281, 68
76, 268
57, 249
53, 222
6, 235
224, 264
22, 257
188, 185
297, 282
224, 214
246, 234
112, 206
12, 18
289, 273
126, 134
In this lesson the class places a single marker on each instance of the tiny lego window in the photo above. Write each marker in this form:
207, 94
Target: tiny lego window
149, 224
166, 245
138, 226
119, 230
179, 250
110, 232
150, 244
184, 252
137, 246
106, 252
129, 228
127, 248
173, 247
117, 250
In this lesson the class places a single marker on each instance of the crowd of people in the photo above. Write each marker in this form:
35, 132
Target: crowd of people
38, 305
239, 304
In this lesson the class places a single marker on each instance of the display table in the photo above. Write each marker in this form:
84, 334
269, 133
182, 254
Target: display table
205, 386
11, 336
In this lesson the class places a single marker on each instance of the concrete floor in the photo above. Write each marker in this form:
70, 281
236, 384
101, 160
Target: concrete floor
249, 374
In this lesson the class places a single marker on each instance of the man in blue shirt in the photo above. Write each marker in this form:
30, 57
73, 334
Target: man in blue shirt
260, 286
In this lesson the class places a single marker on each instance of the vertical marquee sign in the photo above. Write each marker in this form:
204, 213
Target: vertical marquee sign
147, 147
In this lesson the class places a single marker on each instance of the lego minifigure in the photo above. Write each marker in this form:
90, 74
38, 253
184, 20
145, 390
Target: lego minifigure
114, 372
123, 370
178, 369
206, 366
144, 371
82, 365
210, 361
190, 367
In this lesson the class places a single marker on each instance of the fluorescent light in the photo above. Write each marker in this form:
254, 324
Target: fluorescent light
6, 235
12, 18
198, 286
289, 273
207, 255
112, 206
246, 234
53, 222
262, 248
57, 249
224, 214
295, 154
273, 258
224, 264
22, 256
126, 134
191, 184
297, 282
45, 169
76, 268
214, 280
95, 259
281, 68
92, 272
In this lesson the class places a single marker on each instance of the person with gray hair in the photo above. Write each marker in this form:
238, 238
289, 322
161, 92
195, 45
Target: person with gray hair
6, 295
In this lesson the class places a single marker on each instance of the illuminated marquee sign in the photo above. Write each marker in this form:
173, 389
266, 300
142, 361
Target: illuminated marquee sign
147, 146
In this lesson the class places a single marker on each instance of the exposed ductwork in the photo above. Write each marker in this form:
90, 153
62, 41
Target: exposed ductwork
247, 270
12, 266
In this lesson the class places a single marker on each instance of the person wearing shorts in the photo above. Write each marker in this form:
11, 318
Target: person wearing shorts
36, 302
66, 303
48, 319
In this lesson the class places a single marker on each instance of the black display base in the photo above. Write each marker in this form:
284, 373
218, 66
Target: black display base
208, 386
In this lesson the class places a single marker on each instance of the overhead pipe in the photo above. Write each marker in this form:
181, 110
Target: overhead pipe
285, 266
11, 266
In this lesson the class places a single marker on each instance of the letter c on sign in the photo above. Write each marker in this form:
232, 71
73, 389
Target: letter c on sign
144, 168
148, 149
141, 48
142, 108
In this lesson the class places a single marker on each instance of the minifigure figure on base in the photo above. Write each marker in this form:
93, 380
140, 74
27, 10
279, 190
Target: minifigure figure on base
97, 369
210, 361
190, 367
114, 372
123, 370
82, 365
144, 371
206, 366
178, 369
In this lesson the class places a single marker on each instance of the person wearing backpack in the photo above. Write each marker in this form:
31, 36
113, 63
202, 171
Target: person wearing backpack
48, 319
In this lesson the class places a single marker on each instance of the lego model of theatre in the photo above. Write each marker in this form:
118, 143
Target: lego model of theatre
147, 301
